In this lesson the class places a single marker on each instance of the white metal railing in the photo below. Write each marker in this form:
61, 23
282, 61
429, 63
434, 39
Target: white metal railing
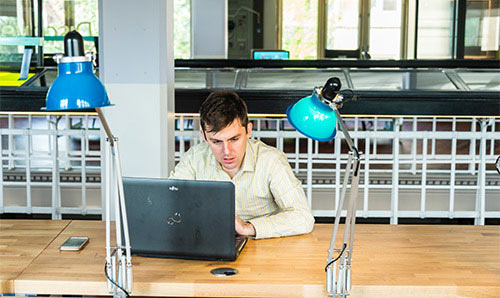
454, 177
40, 163
456, 167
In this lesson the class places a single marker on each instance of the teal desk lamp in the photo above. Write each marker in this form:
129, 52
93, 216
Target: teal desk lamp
75, 88
316, 117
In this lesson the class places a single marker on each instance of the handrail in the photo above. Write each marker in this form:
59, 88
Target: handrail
335, 63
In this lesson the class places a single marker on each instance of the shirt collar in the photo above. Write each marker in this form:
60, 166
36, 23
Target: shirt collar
249, 159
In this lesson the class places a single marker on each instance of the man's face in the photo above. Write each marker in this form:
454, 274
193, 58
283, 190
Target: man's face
229, 145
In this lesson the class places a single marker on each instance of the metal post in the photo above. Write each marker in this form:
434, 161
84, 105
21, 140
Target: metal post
481, 176
1, 173
453, 168
28, 134
424, 177
56, 200
395, 172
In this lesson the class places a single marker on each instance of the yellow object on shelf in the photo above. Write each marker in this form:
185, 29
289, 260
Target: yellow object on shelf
11, 79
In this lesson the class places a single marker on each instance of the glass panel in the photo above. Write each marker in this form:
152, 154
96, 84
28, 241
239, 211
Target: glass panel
46, 79
300, 27
435, 29
291, 80
385, 29
481, 80
60, 17
201, 79
342, 31
223, 79
482, 29
182, 29
190, 79
401, 80
17, 29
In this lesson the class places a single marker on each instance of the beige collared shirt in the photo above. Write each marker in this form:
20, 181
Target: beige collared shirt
268, 194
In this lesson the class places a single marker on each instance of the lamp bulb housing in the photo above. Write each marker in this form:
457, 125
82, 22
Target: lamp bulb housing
73, 44
331, 88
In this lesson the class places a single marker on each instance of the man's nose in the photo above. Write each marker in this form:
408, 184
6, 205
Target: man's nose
226, 147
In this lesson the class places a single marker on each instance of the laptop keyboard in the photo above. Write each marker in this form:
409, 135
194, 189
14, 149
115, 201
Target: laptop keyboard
240, 243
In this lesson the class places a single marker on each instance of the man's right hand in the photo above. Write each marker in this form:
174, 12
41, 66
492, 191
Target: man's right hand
243, 228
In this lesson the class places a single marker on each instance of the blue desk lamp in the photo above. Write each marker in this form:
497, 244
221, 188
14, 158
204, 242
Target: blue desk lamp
316, 117
75, 88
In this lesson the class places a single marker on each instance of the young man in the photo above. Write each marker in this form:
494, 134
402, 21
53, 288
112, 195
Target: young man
270, 201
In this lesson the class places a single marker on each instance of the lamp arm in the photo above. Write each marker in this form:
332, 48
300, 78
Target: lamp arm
105, 125
122, 272
348, 138
339, 276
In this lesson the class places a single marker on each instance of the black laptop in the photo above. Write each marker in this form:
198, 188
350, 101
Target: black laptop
188, 219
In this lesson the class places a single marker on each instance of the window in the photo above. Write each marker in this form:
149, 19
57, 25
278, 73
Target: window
385, 29
342, 28
435, 29
482, 29
60, 17
17, 29
300, 28
182, 29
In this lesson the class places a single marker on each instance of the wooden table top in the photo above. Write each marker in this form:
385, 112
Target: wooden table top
388, 261
21, 241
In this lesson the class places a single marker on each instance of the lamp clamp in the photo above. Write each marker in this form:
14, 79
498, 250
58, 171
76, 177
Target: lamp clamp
338, 101
333, 104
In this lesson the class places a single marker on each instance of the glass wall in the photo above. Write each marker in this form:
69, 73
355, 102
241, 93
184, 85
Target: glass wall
437, 34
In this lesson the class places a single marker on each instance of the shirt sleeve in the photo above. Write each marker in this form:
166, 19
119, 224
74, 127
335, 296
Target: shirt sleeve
294, 215
184, 169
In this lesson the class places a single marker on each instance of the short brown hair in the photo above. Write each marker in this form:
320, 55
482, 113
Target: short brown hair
220, 109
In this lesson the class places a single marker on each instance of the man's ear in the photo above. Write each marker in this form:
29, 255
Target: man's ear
249, 129
202, 132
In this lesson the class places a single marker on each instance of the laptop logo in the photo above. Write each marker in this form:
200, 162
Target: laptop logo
173, 188
174, 219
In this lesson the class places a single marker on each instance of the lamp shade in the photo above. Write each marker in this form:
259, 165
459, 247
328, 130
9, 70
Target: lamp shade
313, 118
76, 87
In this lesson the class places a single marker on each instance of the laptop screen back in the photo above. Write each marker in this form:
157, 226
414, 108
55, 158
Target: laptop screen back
181, 218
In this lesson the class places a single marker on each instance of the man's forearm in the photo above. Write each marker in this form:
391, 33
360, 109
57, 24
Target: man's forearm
285, 223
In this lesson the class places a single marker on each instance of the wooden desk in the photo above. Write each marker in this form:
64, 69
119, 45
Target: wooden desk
21, 241
389, 261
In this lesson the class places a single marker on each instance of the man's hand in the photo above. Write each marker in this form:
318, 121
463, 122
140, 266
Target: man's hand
243, 228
